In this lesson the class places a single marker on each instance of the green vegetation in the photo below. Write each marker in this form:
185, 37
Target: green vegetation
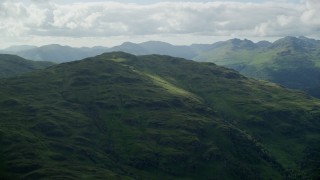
291, 62
11, 65
120, 116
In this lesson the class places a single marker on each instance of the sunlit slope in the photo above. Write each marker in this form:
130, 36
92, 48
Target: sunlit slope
153, 117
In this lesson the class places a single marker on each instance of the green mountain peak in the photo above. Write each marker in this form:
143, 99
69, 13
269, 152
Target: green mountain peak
120, 116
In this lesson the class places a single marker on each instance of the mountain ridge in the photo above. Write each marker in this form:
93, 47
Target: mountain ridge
293, 62
12, 65
117, 115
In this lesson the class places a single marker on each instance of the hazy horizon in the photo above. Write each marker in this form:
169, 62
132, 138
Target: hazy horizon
83, 23
255, 41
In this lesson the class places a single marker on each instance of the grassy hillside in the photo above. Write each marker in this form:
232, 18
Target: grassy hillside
290, 61
11, 65
119, 116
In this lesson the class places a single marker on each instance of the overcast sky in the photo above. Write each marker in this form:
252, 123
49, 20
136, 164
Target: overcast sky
109, 23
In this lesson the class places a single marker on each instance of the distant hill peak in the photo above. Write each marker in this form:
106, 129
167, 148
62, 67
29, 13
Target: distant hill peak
238, 43
295, 43
128, 43
264, 44
155, 43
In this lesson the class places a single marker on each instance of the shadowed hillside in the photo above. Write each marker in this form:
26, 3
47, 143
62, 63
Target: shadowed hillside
11, 65
119, 116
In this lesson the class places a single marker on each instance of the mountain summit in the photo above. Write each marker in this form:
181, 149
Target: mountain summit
293, 62
120, 116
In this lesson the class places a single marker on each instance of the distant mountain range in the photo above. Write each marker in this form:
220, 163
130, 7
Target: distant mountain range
120, 116
57, 53
54, 52
156, 47
293, 62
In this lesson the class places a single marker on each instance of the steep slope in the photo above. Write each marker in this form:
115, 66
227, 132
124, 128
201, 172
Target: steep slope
290, 61
11, 65
154, 117
234, 52
264, 109
296, 63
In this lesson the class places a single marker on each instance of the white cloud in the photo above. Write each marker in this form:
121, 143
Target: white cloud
41, 19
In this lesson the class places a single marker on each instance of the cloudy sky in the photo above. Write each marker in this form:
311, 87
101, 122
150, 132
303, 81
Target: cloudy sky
108, 23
